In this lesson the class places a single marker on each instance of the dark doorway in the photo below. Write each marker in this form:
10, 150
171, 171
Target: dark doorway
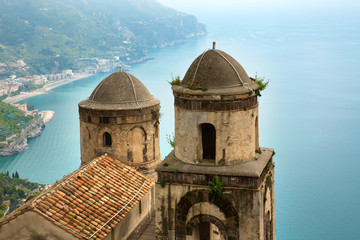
107, 139
204, 230
208, 140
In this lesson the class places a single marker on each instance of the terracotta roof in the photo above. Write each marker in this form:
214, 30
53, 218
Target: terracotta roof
93, 199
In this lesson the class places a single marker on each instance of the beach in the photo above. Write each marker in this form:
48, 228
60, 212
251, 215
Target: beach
46, 88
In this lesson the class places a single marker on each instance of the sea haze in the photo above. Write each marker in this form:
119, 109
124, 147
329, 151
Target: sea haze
309, 114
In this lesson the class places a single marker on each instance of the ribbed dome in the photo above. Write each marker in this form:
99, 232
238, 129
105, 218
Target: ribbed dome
120, 87
215, 69
121, 91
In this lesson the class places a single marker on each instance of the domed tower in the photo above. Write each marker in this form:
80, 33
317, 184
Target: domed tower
121, 118
221, 182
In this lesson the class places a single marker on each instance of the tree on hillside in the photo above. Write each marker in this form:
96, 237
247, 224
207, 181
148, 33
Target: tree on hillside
30, 107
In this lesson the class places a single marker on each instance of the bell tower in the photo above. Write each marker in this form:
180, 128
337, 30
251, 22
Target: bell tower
217, 183
121, 118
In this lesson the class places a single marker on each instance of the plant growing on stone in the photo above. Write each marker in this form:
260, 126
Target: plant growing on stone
262, 84
175, 80
216, 186
171, 140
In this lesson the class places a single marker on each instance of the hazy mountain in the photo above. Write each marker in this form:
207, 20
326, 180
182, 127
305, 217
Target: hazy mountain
51, 35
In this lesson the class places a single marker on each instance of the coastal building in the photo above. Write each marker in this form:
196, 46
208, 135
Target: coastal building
217, 183
21, 107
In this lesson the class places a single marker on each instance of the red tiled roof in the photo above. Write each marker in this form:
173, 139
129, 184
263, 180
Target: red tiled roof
93, 199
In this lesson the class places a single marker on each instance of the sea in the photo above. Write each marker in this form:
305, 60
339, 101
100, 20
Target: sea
310, 114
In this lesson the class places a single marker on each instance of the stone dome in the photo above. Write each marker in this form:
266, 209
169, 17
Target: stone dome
215, 69
120, 90
120, 87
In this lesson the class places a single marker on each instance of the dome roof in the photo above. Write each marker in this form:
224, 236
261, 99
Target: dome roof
120, 87
215, 69
120, 91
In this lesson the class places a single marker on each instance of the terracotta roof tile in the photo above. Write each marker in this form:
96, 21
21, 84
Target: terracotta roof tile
83, 202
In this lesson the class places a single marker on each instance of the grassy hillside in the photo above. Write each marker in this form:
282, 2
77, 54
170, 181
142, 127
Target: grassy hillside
52, 35
12, 121
14, 189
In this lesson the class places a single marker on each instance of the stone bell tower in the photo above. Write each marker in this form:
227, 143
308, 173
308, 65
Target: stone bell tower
217, 183
121, 118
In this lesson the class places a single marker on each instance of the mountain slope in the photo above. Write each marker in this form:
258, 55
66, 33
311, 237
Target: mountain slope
52, 35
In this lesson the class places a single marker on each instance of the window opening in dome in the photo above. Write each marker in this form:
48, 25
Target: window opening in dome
107, 139
89, 119
208, 135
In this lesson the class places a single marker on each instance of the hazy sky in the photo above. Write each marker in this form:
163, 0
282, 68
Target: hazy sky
259, 6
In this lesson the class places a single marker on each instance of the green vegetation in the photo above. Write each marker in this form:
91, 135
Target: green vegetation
53, 35
27, 88
175, 80
216, 186
165, 164
30, 107
258, 151
12, 121
3, 208
3, 97
171, 140
262, 84
15, 189
175, 169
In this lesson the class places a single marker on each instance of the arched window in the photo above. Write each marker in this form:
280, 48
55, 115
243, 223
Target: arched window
107, 139
88, 119
208, 135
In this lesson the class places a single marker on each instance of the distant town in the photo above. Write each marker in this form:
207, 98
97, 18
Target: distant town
15, 85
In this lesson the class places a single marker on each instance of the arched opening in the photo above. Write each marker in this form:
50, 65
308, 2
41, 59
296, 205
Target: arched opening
107, 139
208, 136
184, 229
136, 143
206, 227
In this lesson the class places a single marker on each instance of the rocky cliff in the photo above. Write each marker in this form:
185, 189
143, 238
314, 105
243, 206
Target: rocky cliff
19, 143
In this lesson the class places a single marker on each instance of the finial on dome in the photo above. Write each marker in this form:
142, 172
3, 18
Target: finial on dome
214, 44
120, 69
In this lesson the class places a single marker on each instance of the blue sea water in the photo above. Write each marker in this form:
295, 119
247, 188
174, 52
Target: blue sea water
310, 115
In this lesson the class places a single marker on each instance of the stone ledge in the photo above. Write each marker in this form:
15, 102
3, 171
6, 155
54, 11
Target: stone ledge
248, 175
251, 168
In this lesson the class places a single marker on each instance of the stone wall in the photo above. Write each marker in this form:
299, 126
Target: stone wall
32, 226
236, 135
244, 208
135, 138
129, 226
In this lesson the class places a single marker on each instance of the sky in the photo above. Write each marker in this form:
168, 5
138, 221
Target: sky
302, 8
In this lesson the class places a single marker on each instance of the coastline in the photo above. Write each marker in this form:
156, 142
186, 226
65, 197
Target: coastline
46, 88
47, 116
